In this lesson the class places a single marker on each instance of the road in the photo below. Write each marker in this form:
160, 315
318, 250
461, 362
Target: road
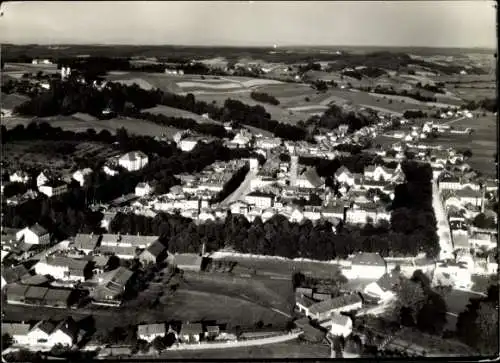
443, 228
242, 190
453, 121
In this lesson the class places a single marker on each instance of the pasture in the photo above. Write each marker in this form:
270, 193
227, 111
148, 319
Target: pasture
177, 112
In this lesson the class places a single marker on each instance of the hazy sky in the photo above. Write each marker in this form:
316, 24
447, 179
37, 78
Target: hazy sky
390, 23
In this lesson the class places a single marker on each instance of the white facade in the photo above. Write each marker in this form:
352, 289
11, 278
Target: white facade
260, 201
81, 176
52, 191
341, 330
60, 337
133, 161
37, 337
19, 177
142, 189
188, 144
111, 172
32, 238
41, 179
365, 272
375, 290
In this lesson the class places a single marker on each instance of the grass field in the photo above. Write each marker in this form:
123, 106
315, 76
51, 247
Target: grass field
288, 350
176, 112
133, 126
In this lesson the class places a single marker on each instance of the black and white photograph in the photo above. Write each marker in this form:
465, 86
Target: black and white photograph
249, 180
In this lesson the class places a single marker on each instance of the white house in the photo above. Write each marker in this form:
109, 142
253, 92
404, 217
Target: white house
62, 268
340, 325
53, 189
82, 176
133, 161
19, 177
65, 333
40, 333
35, 234
109, 171
324, 309
344, 176
149, 332
309, 179
383, 288
191, 333
18, 332
143, 189
42, 178
188, 144
260, 200
468, 195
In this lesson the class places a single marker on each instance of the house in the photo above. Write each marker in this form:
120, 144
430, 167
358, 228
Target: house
469, 196
65, 333
13, 274
190, 333
188, 261
344, 176
379, 173
42, 178
154, 253
133, 161
339, 325
143, 189
321, 296
383, 288
36, 235
303, 303
109, 170
19, 177
189, 143
112, 285
40, 333
309, 179
82, 176
86, 242
324, 309
18, 332
63, 268
213, 331
53, 188
15, 293
260, 199
449, 182
149, 332
304, 291
368, 265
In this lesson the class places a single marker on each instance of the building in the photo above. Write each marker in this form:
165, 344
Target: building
189, 143
188, 262
40, 333
86, 242
13, 274
42, 178
133, 161
367, 265
324, 309
19, 177
82, 176
36, 235
309, 179
260, 200
149, 332
383, 288
65, 333
303, 302
18, 332
212, 332
339, 325
469, 196
112, 286
344, 176
154, 253
143, 189
53, 188
190, 333
63, 268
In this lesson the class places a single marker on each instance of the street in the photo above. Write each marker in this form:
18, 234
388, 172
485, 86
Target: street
443, 228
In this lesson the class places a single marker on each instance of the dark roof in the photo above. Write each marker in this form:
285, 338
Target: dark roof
304, 300
35, 280
387, 281
368, 258
341, 170
38, 230
116, 279
36, 292
156, 248
340, 319
86, 241
260, 194
334, 303
191, 329
68, 326
10, 101
312, 176
72, 263
60, 295
13, 274
118, 250
47, 326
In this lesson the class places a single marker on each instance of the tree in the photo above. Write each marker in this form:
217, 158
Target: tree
487, 322
482, 221
159, 344
432, 316
411, 298
7, 341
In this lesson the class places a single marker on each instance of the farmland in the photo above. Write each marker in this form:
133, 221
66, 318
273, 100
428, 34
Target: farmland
176, 112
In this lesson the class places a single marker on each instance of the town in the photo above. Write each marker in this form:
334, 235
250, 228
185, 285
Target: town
151, 211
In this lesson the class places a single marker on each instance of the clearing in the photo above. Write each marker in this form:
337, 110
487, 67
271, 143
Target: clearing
177, 112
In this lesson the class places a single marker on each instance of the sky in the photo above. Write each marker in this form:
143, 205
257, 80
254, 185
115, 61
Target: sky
252, 23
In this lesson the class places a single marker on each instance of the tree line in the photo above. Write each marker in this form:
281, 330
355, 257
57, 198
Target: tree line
335, 116
265, 98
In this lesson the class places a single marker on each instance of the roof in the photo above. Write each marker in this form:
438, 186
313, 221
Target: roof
213, 328
260, 194
36, 292
35, 280
312, 176
132, 239
149, 329
133, 156
71, 263
16, 290
467, 192
61, 295
342, 170
68, 326
191, 329
368, 259
335, 303
183, 259
86, 241
10, 101
15, 329
156, 248
460, 240
118, 250
339, 319
387, 281
117, 278
47, 326
304, 300
38, 230
13, 274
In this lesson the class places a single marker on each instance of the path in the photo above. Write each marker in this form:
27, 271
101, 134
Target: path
453, 121
443, 228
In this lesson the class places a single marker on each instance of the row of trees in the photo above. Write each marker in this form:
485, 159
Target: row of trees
415, 95
488, 104
409, 114
265, 98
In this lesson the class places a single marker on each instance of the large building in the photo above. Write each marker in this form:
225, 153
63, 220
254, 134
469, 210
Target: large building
133, 161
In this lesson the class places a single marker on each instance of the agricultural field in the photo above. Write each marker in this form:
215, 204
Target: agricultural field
177, 112
133, 126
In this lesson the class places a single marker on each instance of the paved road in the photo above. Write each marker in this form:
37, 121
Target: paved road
443, 228
243, 189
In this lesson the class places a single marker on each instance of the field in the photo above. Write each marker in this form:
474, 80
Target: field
133, 126
176, 112
289, 350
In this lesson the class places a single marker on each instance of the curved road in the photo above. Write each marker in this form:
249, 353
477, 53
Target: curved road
443, 228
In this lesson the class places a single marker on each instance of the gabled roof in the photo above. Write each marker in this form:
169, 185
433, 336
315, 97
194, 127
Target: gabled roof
116, 279
342, 170
335, 303
156, 248
191, 329
133, 156
149, 329
36, 292
10, 101
16, 290
304, 300
183, 259
69, 327
59, 295
63, 261
47, 326
38, 230
312, 176
13, 274
339, 319
86, 241
387, 281
368, 259
467, 192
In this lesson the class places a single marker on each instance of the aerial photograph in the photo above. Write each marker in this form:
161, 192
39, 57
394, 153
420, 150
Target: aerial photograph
249, 180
